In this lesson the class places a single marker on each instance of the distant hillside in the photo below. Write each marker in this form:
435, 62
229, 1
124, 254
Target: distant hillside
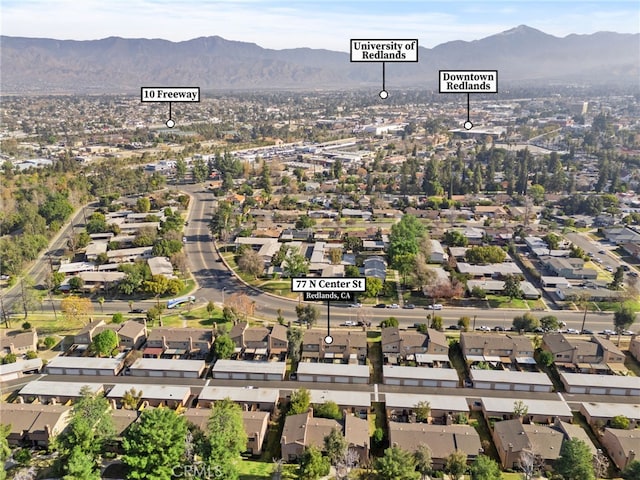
522, 55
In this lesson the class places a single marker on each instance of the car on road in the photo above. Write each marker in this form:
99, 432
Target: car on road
409, 306
349, 323
586, 332
355, 305
602, 252
607, 332
184, 239
4, 277
435, 306
627, 333
380, 305
573, 331
609, 269
453, 327
483, 328
393, 305
137, 310
633, 274
498, 328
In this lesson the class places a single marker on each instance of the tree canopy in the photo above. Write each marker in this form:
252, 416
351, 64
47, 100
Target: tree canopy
227, 438
575, 461
155, 444
397, 464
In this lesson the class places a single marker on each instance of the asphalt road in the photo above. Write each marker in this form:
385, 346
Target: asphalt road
215, 282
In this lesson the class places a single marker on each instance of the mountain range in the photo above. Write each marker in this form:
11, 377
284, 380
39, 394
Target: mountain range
522, 56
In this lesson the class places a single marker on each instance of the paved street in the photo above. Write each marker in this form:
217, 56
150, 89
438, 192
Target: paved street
215, 282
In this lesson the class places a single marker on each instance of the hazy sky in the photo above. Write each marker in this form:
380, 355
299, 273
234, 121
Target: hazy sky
316, 24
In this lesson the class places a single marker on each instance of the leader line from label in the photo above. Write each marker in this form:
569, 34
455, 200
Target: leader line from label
170, 95
384, 50
468, 81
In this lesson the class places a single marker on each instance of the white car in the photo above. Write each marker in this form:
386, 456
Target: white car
435, 306
573, 330
349, 323
393, 305
484, 328
355, 305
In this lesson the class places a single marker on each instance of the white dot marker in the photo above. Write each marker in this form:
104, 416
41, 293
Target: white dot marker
468, 125
383, 94
328, 339
171, 123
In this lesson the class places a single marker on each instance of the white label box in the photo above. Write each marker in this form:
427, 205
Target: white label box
327, 284
468, 81
170, 94
371, 50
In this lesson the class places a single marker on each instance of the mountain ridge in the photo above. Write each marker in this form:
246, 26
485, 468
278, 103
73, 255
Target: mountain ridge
522, 55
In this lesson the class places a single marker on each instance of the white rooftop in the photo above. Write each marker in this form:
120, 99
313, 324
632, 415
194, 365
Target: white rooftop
423, 373
341, 397
85, 362
610, 410
240, 394
20, 366
535, 407
591, 380
63, 389
151, 391
507, 376
452, 403
247, 366
167, 364
339, 369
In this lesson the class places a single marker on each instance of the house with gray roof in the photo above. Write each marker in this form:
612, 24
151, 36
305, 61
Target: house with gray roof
512, 438
442, 440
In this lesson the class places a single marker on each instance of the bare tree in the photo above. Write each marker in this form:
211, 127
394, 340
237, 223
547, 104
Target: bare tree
530, 463
600, 464
278, 464
348, 462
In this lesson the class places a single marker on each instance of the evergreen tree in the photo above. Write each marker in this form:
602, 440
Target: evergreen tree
575, 461
155, 444
227, 438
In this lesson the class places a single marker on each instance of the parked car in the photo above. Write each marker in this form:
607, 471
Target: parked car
586, 332
435, 306
355, 305
349, 323
627, 333
380, 305
453, 327
137, 310
409, 306
483, 328
607, 332
393, 305
573, 330
498, 328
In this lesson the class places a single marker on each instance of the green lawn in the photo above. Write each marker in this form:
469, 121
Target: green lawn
501, 301
477, 421
615, 306
254, 470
